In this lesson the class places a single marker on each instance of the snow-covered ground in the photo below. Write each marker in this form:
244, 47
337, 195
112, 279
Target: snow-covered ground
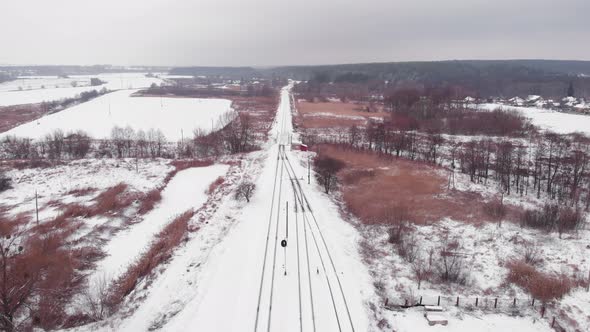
38, 89
187, 190
251, 294
412, 320
559, 122
175, 117
212, 283
54, 183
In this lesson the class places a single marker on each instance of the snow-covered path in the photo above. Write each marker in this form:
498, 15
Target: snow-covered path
251, 283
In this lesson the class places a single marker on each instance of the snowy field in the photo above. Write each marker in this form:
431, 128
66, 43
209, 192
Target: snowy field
37, 89
561, 123
53, 183
175, 117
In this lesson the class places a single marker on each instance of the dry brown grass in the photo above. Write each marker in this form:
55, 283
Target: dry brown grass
180, 165
82, 191
540, 285
111, 200
149, 201
373, 185
215, 184
160, 250
12, 116
310, 116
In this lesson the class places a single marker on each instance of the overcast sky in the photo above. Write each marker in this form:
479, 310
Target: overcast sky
276, 32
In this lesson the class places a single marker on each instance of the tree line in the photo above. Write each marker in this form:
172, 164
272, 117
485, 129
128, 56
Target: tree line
546, 165
234, 134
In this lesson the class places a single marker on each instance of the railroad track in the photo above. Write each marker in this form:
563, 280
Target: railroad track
310, 244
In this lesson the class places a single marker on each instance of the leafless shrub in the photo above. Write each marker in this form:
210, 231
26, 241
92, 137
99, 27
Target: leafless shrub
421, 271
96, 299
398, 217
407, 248
245, 190
531, 253
450, 266
496, 210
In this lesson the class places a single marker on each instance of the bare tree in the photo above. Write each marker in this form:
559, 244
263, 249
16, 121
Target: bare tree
451, 266
245, 190
326, 170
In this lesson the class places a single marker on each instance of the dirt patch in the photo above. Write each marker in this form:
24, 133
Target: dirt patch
334, 114
373, 186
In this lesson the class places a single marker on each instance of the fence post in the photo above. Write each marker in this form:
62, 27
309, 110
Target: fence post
553, 321
514, 303
533, 305
438, 301
420, 300
495, 303
457, 301
542, 311
386, 301
406, 304
476, 301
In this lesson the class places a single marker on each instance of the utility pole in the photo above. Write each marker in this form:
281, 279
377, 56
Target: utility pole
287, 226
308, 170
37, 207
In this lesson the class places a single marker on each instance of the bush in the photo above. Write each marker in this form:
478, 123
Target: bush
149, 201
326, 169
553, 217
5, 182
541, 286
531, 253
215, 184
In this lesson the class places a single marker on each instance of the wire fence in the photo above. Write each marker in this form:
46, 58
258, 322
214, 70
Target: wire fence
507, 305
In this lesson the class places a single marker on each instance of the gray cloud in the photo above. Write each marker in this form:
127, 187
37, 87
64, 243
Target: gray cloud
275, 32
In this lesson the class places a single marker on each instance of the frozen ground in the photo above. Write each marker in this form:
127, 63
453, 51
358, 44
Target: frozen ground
559, 122
175, 117
38, 89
